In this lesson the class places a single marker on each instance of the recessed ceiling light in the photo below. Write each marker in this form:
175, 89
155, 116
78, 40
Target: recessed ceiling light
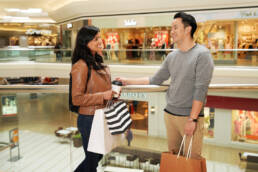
30, 10
15, 18
12, 9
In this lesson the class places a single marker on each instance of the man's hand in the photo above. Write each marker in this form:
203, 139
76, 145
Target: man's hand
123, 80
190, 127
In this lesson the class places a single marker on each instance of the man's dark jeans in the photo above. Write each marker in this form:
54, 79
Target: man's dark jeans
90, 163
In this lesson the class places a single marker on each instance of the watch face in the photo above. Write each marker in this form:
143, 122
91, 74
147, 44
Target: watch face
195, 120
191, 119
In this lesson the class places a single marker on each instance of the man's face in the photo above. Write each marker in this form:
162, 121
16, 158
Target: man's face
178, 30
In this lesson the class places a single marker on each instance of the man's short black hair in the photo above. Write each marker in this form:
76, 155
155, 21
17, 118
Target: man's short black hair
188, 20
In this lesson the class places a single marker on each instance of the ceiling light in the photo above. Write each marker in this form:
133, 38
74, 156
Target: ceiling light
15, 18
12, 9
30, 10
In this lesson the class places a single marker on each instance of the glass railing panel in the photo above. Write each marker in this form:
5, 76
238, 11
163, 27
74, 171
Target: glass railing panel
239, 57
37, 55
135, 56
232, 57
40, 116
44, 133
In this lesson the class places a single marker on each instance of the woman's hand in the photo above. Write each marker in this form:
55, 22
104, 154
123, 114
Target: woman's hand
108, 95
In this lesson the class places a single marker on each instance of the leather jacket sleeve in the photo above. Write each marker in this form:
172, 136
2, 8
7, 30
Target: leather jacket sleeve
79, 95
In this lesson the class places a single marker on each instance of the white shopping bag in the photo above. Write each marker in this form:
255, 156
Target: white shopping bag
101, 141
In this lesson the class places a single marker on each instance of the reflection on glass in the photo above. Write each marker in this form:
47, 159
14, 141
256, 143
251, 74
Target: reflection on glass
131, 55
139, 114
209, 122
39, 119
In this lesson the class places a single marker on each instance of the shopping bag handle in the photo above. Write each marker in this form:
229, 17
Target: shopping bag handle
112, 102
182, 145
109, 103
189, 151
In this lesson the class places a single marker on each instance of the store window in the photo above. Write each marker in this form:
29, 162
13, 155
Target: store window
112, 42
217, 36
209, 122
139, 114
245, 126
14, 41
247, 39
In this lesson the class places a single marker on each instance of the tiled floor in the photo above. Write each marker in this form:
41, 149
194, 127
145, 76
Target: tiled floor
45, 152
42, 151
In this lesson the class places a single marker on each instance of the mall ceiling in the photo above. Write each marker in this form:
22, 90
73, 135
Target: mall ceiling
61, 11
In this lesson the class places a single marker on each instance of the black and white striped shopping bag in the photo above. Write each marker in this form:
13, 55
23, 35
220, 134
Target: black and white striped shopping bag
118, 117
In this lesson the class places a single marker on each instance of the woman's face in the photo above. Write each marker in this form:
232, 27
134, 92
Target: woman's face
96, 44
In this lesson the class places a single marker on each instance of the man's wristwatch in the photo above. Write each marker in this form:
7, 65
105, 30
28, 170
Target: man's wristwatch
192, 119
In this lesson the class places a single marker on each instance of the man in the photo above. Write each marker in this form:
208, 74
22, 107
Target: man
190, 68
58, 52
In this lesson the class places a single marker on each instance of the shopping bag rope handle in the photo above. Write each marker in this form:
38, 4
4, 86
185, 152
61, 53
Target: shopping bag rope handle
189, 151
182, 145
109, 103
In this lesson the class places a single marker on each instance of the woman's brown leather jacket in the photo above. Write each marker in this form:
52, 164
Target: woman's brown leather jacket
89, 96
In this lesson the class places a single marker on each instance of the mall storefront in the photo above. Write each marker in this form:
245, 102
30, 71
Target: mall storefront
235, 29
24, 35
226, 122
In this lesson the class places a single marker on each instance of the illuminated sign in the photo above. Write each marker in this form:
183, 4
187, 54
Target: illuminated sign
9, 106
131, 22
69, 25
38, 32
14, 137
248, 14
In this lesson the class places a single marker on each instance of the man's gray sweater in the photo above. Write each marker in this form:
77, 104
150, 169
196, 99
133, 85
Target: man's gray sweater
190, 74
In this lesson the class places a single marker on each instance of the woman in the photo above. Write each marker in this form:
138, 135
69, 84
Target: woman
89, 93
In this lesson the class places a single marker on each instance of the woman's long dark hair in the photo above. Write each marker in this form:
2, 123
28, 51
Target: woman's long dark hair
81, 51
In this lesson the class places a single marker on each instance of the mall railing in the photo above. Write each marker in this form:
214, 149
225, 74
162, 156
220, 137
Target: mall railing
244, 57
46, 128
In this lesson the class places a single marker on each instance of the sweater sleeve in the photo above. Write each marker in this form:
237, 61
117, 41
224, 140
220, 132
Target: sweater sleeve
162, 74
204, 71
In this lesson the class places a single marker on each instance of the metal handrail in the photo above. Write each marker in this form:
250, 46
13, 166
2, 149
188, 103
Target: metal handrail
130, 88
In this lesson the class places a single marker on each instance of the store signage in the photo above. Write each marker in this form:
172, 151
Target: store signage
69, 25
247, 14
9, 106
134, 95
131, 22
38, 32
14, 137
